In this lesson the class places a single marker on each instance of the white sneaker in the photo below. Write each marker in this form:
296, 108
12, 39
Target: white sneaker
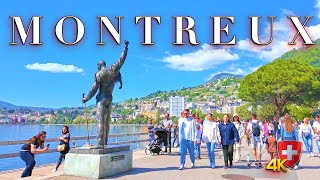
295, 167
308, 155
54, 170
192, 165
236, 160
181, 167
312, 155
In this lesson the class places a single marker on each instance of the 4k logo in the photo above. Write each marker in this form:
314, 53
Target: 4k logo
276, 165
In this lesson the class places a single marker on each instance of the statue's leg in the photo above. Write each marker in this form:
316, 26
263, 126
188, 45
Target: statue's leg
101, 123
108, 118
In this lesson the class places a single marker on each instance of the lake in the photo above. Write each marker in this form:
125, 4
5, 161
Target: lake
24, 132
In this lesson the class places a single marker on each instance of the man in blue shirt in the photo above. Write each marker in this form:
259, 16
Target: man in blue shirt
228, 134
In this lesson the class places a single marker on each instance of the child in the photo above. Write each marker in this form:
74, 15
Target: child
198, 143
272, 145
151, 131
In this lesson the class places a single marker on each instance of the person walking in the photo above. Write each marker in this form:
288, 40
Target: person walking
175, 135
210, 137
227, 137
288, 132
239, 126
307, 134
167, 124
29, 149
272, 145
199, 134
316, 130
255, 129
275, 124
187, 137
64, 144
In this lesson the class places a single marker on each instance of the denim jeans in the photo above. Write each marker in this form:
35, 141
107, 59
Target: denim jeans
27, 157
308, 143
184, 145
210, 148
318, 144
197, 150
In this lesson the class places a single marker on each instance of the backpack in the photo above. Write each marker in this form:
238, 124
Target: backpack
255, 129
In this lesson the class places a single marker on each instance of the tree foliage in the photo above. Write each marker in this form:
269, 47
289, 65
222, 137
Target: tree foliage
299, 112
281, 82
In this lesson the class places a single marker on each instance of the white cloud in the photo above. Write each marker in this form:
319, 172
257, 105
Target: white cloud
314, 32
54, 68
283, 32
205, 58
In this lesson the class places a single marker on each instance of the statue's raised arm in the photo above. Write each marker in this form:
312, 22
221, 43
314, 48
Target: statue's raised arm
117, 66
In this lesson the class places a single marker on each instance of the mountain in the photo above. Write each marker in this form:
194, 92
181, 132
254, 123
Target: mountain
7, 105
10, 106
308, 54
223, 76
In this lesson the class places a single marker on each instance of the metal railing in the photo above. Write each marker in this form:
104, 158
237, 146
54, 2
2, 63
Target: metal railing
10, 155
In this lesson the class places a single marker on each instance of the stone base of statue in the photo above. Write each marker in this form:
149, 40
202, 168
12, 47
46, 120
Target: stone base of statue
98, 163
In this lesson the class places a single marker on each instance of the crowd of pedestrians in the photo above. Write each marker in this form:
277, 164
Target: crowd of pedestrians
191, 131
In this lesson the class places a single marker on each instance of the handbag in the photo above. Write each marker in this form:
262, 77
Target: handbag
61, 147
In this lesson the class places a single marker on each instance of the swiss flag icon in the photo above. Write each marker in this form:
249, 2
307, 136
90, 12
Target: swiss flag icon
291, 151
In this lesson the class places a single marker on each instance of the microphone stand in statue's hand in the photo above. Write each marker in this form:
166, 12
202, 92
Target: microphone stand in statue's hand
85, 113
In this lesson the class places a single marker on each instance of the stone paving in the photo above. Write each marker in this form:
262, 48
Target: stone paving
165, 166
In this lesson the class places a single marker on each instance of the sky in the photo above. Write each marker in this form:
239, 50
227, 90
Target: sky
55, 75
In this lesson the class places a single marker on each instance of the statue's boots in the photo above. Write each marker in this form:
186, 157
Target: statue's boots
99, 145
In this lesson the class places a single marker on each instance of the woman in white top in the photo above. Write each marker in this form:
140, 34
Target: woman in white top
210, 136
307, 134
239, 127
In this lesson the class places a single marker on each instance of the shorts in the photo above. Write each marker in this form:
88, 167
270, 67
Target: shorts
256, 142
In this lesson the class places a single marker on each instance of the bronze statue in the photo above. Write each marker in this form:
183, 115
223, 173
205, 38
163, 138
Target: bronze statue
104, 80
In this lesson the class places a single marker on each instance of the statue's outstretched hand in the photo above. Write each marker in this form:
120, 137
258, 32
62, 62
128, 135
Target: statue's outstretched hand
126, 43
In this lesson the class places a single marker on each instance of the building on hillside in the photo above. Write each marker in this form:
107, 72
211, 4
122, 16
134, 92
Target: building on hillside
191, 105
230, 108
147, 106
176, 105
115, 117
135, 114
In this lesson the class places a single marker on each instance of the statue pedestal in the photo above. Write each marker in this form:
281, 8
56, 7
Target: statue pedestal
98, 163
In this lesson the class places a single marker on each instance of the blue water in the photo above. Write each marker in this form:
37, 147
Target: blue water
24, 132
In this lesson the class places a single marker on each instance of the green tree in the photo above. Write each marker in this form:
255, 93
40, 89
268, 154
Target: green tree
299, 112
266, 111
281, 82
243, 111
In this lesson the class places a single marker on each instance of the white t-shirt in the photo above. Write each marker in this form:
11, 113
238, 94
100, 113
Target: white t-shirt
255, 121
316, 125
210, 132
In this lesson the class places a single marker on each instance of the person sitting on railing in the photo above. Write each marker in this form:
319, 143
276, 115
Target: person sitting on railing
29, 149
64, 146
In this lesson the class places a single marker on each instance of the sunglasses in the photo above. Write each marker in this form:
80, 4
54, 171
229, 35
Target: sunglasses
44, 137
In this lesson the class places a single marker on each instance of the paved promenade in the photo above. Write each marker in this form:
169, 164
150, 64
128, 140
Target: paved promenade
165, 166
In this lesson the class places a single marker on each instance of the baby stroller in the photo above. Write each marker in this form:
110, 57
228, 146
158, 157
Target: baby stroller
155, 145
